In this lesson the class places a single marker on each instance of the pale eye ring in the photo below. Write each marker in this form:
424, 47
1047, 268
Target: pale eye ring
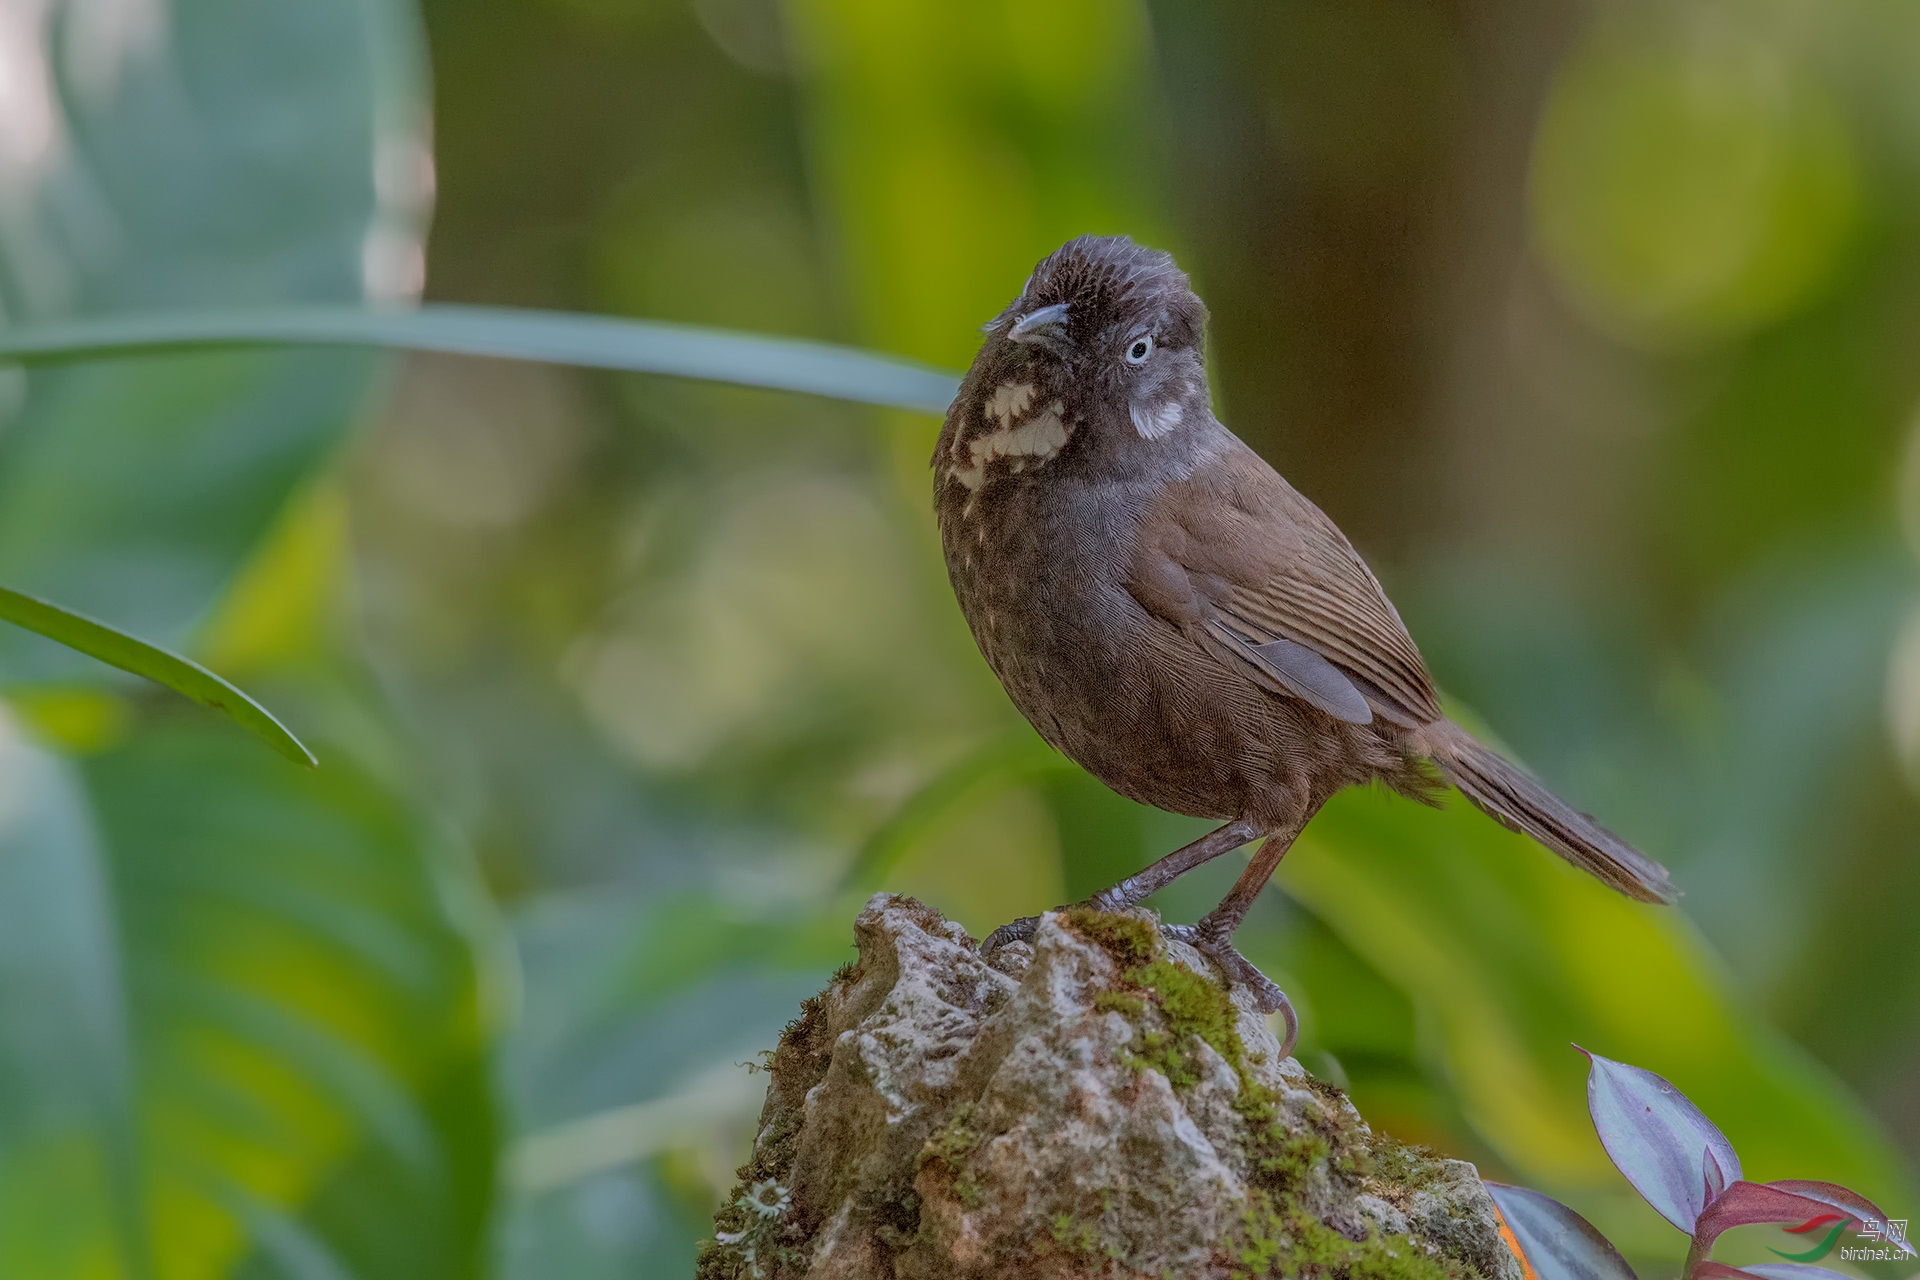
1139, 349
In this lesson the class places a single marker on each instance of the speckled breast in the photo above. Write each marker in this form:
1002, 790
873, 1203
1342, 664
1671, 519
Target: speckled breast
1039, 570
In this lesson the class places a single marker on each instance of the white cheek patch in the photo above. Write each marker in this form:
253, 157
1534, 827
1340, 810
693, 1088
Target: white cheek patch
1153, 421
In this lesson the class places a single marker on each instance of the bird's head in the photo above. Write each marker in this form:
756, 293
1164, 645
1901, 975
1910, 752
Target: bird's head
1100, 354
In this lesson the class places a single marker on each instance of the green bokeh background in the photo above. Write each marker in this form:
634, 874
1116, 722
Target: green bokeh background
1595, 325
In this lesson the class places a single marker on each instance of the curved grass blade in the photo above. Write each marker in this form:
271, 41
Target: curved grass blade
117, 649
598, 342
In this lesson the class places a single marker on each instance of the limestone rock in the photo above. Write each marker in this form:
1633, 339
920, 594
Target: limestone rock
1097, 1105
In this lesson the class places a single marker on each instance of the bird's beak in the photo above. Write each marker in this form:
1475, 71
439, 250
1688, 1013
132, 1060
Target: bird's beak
1047, 326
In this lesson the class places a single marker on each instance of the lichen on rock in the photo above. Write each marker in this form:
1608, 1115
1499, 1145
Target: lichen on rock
1097, 1104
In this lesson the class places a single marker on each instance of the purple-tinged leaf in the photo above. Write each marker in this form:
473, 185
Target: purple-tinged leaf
1555, 1241
1718, 1271
1794, 1271
1671, 1153
1764, 1271
1747, 1203
1851, 1203
1716, 1178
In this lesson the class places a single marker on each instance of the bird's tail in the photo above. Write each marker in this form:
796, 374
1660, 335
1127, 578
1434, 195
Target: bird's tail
1510, 796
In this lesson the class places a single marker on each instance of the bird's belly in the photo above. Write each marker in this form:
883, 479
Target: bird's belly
1132, 701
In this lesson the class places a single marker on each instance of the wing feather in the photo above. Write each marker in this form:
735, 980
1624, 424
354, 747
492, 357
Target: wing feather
1254, 554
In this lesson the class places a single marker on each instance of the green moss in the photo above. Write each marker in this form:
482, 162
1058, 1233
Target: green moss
1079, 1238
1170, 1007
949, 1146
1075, 1237
747, 1238
953, 1141
1278, 1238
1130, 940
1196, 1005
1261, 1239
1287, 1159
1407, 1166
1189, 1004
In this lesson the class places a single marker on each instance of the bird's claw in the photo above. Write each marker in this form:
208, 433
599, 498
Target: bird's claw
1267, 995
1211, 942
1024, 929
1021, 930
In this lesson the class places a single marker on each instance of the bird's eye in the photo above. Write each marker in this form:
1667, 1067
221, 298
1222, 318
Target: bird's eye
1139, 349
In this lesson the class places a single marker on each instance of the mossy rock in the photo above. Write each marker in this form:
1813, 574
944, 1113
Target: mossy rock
1098, 1105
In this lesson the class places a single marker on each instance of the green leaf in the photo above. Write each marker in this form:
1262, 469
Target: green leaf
640, 1013
118, 649
214, 155
1004, 760
68, 1136
246, 1033
598, 342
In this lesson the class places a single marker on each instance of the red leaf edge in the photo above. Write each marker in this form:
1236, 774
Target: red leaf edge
1746, 1203
1835, 1196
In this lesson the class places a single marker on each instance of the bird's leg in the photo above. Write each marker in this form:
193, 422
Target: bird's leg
1213, 935
1136, 889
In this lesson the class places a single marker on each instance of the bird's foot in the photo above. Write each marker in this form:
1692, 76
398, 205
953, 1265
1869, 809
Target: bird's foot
1021, 930
1217, 945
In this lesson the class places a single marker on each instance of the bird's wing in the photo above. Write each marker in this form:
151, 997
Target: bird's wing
1252, 568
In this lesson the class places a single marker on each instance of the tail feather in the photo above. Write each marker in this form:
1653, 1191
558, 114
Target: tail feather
1510, 796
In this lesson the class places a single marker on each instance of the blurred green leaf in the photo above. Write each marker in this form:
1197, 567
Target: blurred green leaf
70, 1178
118, 649
244, 1018
630, 993
640, 1016
197, 154
1690, 180
599, 342
1010, 758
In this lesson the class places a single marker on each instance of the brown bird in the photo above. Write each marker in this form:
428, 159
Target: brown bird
1168, 612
